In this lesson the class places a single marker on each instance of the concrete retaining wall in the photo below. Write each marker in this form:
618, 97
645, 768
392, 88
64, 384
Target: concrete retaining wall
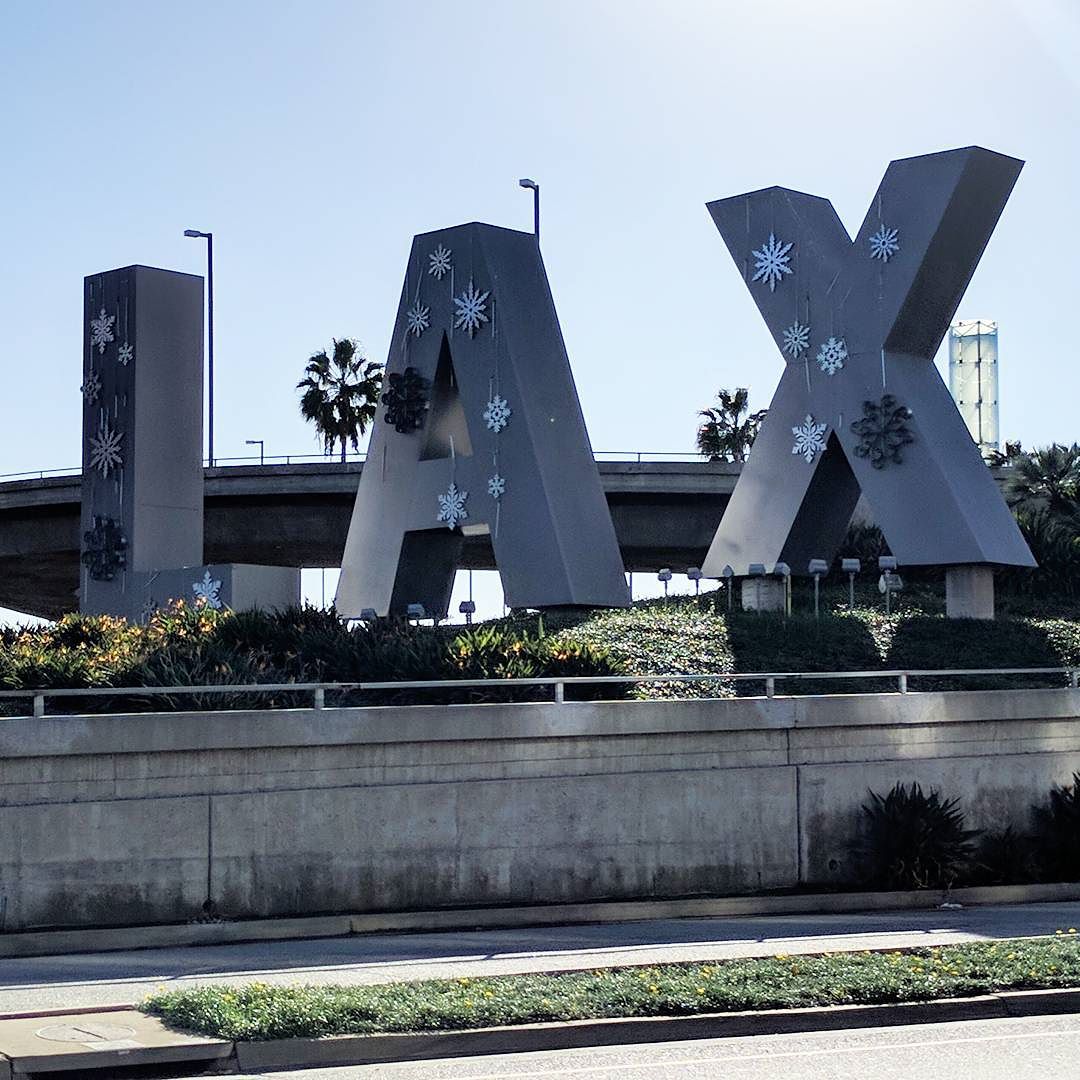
121, 819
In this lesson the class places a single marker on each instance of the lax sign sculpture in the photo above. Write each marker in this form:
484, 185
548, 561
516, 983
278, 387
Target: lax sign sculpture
860, 406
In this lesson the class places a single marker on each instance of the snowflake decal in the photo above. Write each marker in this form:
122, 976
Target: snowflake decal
831, 355
471, 305
497, 414
883, 431
91, 388
125, 354
496, 486
809, 439
416, 318
104, 549
207, 591
884, 244
101, 331
796, 339
452, 507
772, 262
439, 262
406, 400
106, 448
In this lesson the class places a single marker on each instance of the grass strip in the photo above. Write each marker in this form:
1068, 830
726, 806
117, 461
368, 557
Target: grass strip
259, 1011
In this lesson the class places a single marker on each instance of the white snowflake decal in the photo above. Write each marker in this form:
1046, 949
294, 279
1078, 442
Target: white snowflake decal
884, 244
497, 414
831, 355
452, 507
208, 591
106, 448
772, 262
809, 439
101, 331
417, 318
471, 305
125, 354
496, 486
796, 339
91, 388
439, 262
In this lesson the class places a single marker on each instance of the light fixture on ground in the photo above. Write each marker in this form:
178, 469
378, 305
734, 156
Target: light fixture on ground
889, 581
209, 238
664, 576
694, 574
415, 611
261, 445
783, 572
816, 568
369, 615
851, 567
468, 609
534, 187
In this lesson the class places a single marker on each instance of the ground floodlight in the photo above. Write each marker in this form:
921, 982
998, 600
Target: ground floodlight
781, 569
368, 614
756, 569
694, 574
468, 609
728, 571
818, 566
416, 611
850, 566
886, 562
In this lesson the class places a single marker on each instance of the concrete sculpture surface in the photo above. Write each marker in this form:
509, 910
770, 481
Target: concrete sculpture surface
142, 476
860, 407
480, 432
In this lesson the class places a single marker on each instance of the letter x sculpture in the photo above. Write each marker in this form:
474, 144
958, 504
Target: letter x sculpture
860, 406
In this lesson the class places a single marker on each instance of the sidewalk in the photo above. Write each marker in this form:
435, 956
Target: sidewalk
115, 978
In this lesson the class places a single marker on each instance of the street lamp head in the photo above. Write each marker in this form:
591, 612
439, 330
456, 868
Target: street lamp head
195, 233
527, 183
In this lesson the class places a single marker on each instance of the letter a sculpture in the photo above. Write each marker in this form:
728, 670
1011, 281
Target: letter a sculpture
480, 434
860, 405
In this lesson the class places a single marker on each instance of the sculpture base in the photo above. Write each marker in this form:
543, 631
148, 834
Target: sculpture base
969, 592
763, 594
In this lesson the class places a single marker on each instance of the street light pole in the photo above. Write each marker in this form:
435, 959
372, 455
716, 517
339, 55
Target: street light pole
535, 188
209, 238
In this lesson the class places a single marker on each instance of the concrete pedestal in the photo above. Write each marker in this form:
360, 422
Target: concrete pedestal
969, 592
763, 594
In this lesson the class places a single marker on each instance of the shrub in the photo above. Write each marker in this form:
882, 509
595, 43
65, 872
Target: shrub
1057, 832
1004, 857
914, 841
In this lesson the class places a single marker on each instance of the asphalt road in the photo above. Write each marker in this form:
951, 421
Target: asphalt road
1038, 1048
126, 977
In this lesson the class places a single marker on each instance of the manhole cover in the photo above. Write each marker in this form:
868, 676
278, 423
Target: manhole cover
92, 1031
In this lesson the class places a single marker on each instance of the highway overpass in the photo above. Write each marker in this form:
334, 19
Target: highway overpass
665, 514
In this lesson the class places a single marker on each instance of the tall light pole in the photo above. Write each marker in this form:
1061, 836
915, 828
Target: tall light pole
209, 238
535, 188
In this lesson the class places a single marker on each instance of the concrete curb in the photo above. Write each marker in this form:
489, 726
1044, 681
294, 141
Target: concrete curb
111, 939
382, 1049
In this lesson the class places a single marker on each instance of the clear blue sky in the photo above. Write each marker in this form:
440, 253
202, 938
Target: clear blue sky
316, 138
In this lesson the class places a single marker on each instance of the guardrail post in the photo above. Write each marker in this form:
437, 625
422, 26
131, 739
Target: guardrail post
560, 692
319, 696
770, 687
39, 704
902, 680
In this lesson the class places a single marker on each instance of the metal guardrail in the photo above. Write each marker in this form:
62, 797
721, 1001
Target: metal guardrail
638, 456
318, 690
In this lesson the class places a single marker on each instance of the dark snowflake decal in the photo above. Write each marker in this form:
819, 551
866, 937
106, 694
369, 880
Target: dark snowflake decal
104, 549
406, 400
883, 431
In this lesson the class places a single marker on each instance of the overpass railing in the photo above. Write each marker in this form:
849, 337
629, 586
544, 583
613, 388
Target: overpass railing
639, 456
317, 691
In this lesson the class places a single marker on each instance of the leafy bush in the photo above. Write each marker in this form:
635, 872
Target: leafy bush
1057, 833
914, 841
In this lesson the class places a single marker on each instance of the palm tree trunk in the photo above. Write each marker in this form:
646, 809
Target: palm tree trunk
342, 451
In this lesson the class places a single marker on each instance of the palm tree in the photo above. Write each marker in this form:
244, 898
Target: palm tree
1048, 476
341, 394
725, 435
